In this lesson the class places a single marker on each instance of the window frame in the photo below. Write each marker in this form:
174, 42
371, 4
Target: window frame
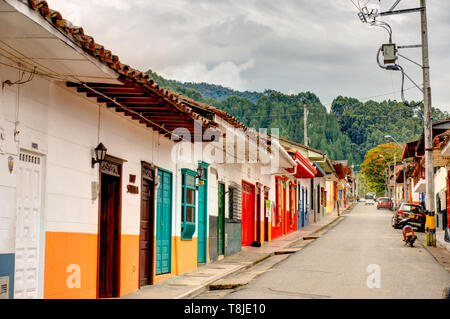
188, 227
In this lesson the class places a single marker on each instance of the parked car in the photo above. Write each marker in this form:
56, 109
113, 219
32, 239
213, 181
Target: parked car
370, 199
385, 202
415, 212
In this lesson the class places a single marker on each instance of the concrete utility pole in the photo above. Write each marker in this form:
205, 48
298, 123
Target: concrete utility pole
405, 184
366, 16
305, 124
428, 129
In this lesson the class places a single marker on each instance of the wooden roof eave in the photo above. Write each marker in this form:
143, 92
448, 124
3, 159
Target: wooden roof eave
166, 125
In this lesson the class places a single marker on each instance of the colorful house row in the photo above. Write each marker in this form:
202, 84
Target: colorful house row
413, 178
109, 182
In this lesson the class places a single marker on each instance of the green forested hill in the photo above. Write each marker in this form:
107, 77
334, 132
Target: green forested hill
220, 93
207, 91
347, 132
367, 124
278, 110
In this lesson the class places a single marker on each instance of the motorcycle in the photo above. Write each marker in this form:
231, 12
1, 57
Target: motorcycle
408, 232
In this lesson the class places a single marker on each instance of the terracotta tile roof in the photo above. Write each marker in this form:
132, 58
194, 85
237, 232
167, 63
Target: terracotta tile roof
301, 145
105, 56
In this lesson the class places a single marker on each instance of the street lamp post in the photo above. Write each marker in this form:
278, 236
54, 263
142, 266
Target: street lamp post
395, 180
353, 182
405, 184
388, 178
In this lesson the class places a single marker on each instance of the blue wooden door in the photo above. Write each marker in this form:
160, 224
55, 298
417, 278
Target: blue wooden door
340, 197
302, 209
306, 209
202, 216
164, 223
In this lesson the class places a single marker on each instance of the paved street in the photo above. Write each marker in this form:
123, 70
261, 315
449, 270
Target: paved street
335, 265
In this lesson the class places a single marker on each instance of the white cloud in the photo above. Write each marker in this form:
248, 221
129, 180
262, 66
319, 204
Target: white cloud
226, 73
293, 45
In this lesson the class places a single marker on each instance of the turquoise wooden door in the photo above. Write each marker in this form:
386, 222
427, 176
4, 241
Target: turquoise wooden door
202, 216
164, 223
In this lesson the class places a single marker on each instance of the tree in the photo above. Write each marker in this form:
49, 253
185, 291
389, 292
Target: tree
375, 164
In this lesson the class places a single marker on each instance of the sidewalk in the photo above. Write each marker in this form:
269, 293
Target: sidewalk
440, 239
196, 281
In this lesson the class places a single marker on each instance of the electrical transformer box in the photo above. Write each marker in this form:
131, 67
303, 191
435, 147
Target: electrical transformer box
389, 53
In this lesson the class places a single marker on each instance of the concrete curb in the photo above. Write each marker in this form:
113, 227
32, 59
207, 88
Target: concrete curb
423, 243
326, 225
198, 290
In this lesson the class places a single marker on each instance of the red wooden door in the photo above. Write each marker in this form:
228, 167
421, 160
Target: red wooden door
280, 208
284, 221
248, 214
292, 208
258, 215
266, 219
448, 199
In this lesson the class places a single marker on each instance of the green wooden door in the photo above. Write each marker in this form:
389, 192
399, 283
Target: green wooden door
164, 223
202, 215
221, 221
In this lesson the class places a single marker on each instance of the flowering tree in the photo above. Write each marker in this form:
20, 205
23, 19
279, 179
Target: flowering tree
375, 164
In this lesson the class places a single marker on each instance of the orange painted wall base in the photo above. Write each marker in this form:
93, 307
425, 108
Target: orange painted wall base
129, 264
70, 270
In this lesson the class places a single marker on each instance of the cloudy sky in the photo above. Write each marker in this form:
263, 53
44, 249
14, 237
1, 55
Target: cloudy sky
287, 45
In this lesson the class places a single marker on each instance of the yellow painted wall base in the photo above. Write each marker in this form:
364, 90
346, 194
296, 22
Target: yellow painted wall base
329, 207
184, 257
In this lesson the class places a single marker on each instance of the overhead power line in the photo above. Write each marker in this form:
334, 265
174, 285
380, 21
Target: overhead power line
300, 112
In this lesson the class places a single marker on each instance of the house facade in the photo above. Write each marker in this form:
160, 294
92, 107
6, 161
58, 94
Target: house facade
110, 183
413, 152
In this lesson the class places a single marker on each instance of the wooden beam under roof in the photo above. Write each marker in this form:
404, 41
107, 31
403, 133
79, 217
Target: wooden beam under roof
101, 85
131, 100
119, 95
116, 90
143, 106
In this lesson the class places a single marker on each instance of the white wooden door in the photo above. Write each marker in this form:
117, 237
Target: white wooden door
28, 212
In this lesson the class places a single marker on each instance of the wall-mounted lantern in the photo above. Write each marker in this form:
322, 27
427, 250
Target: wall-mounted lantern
100, 154
200, 172
200, 175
